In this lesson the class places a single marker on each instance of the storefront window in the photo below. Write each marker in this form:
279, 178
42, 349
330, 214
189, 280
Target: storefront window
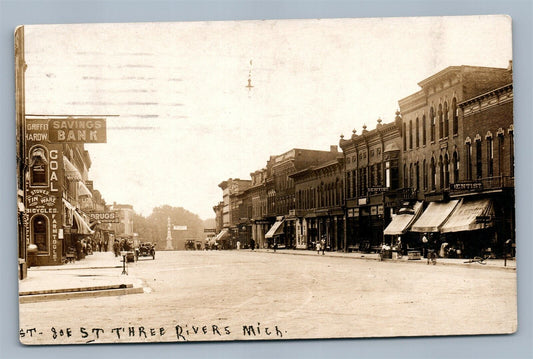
39, 233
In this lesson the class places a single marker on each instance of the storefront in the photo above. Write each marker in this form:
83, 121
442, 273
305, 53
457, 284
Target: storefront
401, 222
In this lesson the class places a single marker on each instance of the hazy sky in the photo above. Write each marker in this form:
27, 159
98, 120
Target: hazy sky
186, 120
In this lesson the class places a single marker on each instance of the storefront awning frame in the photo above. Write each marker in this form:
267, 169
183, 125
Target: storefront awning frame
434, 217
401, 222
465, 217
275, 230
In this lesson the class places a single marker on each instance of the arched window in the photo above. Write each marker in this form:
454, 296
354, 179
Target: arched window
441, 172
468, 156
500, 153
39, 236
432, 119
411, 182
38, 167
446, 120
490, 156
433, 174
417, 134
405, 176
479, 163
441, 123
455, 117
425, 174
424, 135
404, 136
455, 167
410, 135
417, 175
446, 171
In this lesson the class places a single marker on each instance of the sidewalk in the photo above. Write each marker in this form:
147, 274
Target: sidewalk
99, 274
488, 263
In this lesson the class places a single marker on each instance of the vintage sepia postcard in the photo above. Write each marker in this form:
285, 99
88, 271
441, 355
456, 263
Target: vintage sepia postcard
265, 180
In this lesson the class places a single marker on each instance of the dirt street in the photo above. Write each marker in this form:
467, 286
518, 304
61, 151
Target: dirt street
226, 295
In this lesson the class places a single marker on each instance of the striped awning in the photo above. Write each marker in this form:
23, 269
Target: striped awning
276, 229
465, 217
83, 227
83, 190
71, 172
434, 216
400, 223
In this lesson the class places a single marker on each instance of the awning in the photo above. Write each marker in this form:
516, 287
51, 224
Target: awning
465, 217
83, 227
434, 216
83, 190
71, 172
219, 236
400, 223
276, 229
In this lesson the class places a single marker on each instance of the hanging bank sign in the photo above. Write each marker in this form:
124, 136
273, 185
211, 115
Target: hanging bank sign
77, 130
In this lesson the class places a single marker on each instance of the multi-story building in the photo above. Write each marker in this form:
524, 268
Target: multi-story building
372, 190
457, 141
258, 196
231, 188
280, 190
319, 205
443, 171
123, 229
55, 194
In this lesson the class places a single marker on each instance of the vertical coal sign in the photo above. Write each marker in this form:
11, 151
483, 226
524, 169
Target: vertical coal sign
44, 192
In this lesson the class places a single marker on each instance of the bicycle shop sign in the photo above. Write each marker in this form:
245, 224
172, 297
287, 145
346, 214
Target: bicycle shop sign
105, 217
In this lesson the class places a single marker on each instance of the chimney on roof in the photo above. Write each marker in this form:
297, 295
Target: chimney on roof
333, 149
510, 66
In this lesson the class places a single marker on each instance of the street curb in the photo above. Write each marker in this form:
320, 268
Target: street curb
467, 265
62, 294
76, 289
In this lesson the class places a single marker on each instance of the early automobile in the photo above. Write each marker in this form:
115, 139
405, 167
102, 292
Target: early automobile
145, 249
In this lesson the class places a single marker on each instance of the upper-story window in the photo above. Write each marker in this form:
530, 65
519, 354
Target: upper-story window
455, 167
433, 120
404, 137
468, 159
455, 117
433, 174
417, 135
479, 163
424, 135
441, 122
446, 120
490, 156
410, 135
38, 167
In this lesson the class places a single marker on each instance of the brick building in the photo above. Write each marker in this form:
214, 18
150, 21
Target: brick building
280, 190
372, 177
457, 142
319, 199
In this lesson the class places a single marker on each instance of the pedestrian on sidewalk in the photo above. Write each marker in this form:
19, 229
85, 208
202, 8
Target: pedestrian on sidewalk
323, 244
317, 247
252, 244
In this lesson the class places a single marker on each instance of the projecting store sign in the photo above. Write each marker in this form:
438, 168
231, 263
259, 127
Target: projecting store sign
105, 217
77, 130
